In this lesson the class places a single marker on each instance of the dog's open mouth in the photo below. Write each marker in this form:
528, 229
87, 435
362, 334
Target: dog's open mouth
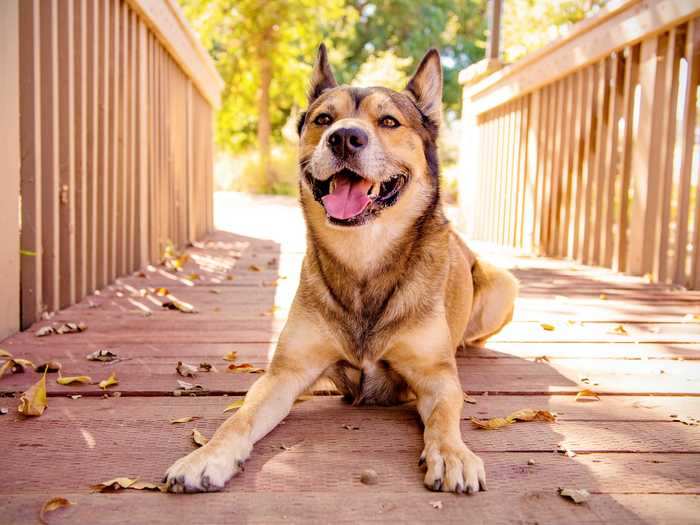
350, 200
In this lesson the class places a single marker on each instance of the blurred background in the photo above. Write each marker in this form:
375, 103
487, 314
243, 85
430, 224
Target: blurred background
264, 50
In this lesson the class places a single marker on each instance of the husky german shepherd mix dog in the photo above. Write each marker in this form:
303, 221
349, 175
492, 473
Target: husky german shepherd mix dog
388, 291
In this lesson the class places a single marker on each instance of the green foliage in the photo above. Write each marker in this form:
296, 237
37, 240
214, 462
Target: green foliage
531, 24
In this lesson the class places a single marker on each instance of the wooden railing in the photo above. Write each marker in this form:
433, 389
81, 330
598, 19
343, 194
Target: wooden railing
110, 145
588, 148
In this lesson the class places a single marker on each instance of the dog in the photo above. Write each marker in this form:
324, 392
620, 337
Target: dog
388, 290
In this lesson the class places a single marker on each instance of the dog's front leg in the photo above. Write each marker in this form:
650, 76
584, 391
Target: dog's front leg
301, 357
425, 358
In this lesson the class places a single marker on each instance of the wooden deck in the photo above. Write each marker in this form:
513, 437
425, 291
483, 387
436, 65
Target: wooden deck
638, 463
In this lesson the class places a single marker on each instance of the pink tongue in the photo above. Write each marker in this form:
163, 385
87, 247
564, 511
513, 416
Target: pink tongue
349, 198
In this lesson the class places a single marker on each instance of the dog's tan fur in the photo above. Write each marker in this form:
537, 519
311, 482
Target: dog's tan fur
382, 306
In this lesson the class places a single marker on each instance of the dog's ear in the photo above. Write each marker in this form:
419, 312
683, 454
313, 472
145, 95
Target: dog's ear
322, 77
426, 86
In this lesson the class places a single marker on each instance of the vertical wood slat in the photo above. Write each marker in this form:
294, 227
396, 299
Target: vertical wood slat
670, 87
582, 231
66, 151
689, 118
647, 156
600, 185
81, 154
631, 79
31, 147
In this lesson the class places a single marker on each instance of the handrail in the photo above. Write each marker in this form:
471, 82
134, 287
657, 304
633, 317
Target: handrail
167, 21
621, 23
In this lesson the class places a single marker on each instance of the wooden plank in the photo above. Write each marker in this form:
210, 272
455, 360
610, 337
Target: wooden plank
563, 214
30, 142
588, 176
94, 137
143, 150
66, 151
627, 23
558, 158
366, 506
103, 146
51, 281
112, 196
577, 153
10, 167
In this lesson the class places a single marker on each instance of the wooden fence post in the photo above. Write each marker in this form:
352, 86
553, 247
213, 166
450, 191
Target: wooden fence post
10, 169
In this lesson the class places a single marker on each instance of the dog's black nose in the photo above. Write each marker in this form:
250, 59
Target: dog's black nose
346, 141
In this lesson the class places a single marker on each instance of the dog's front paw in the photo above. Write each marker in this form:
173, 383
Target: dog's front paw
452, 467
206, 469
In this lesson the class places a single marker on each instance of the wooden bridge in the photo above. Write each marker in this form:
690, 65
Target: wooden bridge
634, 340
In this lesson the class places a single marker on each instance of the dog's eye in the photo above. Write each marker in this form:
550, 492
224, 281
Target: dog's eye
389, 122
323, 119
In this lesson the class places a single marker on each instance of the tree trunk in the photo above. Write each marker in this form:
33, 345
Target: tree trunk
264, 127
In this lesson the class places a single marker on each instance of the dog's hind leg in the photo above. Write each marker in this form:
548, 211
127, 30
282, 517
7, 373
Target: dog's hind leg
495, 291
302, 355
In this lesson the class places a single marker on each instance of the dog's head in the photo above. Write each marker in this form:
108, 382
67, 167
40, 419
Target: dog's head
367, 153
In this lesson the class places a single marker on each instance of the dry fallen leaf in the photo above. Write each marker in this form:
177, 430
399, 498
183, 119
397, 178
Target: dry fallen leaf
603, 297
199, 438
186, 370
542, 359
12, 366
116, 484
546, 326
238, 403
436, 504
102, 355
51, 367
175, 304
111, 380
68, 380
563, 449
188, 387
207, 367
245, 368
587, 395
351, 427
161, 291
185, 419
619, 329
70, 328
575, 495
254, 268
691, 318
51, 505
686, 420
192, 277
5, 353
526, 414
34, 401
468, 399
44, 331
231, 356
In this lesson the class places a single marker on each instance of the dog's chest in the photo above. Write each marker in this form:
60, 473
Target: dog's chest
372, 383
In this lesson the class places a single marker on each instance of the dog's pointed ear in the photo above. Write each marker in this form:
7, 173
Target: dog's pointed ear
322, 77
426, 86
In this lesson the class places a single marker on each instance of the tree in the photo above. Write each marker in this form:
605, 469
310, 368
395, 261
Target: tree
263, 51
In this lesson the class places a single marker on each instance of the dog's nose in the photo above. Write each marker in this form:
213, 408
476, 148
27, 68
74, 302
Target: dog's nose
347, 141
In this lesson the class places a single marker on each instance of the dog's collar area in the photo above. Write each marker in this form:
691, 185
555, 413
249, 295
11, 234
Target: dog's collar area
381, 195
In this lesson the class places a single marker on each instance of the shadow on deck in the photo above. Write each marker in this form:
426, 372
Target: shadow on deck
637, 462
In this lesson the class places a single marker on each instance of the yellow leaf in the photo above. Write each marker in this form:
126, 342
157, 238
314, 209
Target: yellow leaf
238, 403
231, 356
468, 399
111, 380
34, 401
51, 505
688, 318
199, 438
526, 414
603, 297
145, 485
113, 485
245, 368
547, 326
619, 329
26, 363
491, 424
5, 353
162, 292
185, 419
192, 277
254, 268
74, 379
583, 394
